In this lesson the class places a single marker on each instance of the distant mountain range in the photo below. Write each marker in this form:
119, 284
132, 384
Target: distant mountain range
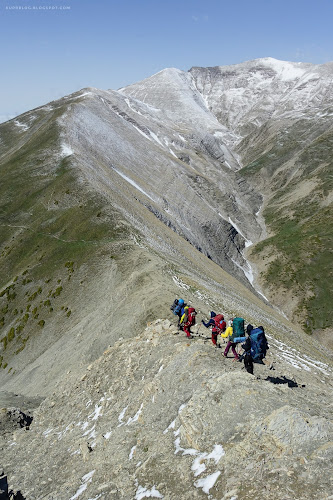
277, 119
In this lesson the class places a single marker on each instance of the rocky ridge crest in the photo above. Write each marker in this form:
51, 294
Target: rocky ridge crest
161, 416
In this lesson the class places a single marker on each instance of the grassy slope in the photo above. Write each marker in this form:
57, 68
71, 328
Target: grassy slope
300, 250
50, 225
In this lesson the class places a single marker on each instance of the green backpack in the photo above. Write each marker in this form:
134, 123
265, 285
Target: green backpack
238, 328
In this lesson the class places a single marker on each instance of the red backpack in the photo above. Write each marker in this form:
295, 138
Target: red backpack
220, 324
191, 316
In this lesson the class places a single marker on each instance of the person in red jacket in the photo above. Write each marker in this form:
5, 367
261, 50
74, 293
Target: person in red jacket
188, 320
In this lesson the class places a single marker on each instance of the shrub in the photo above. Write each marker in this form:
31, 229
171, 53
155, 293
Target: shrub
11, 334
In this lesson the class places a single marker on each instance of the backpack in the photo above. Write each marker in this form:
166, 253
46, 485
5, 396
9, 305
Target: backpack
237, 328
191, 316
220, 324
175, 303
179, 309
259, 344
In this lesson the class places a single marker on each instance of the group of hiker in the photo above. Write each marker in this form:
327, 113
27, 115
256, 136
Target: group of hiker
252, 340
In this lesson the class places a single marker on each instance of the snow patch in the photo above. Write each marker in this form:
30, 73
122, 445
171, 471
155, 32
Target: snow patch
293, 357
96, 413
91, 433
76, 452
173, 154
184, 451
134, 184
171, 426
246, 269
121, 416
84, 94
142, 492
132, 453
154, 136
23, 126
180, 283
66, 150
47, 432
198, 466
136, 416
286, 70
181, 408
208, 482
86, 480
131, 107
247, 242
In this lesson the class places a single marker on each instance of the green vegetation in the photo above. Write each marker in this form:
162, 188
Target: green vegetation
57, 292
48, 229
303, 229
70, 266
11, 334
4, 340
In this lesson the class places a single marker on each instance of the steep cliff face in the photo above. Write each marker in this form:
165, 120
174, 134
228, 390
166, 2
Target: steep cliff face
245, 96
281, 115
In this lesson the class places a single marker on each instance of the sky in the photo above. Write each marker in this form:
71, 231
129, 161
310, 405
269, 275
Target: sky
51, 48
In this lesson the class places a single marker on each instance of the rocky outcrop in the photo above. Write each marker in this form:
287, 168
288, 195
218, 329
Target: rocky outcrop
13, 418
165, 417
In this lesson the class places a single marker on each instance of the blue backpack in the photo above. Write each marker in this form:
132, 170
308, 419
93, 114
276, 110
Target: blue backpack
259, 344
175, 303
178, 307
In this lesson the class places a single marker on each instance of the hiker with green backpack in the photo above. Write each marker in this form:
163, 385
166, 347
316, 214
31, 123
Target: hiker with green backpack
236, 329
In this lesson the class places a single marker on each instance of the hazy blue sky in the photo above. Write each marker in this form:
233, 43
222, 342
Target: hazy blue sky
70, 44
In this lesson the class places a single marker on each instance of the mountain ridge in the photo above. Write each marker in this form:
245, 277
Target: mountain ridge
110, 207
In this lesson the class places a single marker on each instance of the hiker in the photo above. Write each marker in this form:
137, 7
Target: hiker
218, 326
231, 344
246, 355
188, 320
255, 347
178, 310
211, 321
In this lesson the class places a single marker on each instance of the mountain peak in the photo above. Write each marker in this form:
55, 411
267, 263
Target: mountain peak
286, 70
